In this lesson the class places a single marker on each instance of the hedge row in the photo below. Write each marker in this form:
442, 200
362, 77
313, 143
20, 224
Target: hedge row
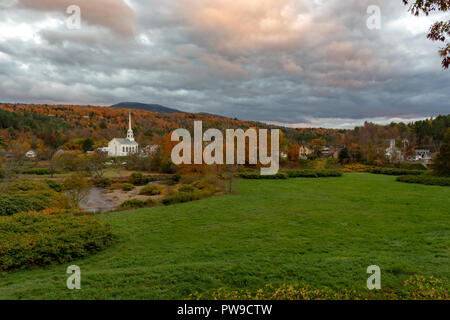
37, 171
34, 240
136, 204
257, 175
396, 171
285, 174
312, 173
426, 179
187, 196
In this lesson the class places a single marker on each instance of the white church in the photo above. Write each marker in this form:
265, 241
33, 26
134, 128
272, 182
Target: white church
119, 147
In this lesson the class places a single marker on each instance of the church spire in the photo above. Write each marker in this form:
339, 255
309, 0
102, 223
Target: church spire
130, 135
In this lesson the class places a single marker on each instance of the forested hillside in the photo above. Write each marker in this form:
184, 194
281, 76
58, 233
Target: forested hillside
65, 126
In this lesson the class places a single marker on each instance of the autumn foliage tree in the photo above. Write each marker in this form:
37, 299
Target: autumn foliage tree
441, 164
440, 30
294, 151
76, 187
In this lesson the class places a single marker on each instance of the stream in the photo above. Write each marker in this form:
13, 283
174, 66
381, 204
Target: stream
98, 201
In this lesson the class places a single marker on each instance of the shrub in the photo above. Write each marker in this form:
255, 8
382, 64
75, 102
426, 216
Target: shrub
34, 240
54, 185
176, 178
136, 204
426, 179
138, 179
395, 171
167, 166
186, 188
116, 185
127, 187
101, 182
151, 190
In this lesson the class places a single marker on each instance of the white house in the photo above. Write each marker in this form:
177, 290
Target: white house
118, 147
30, 154
103, 149
423, 155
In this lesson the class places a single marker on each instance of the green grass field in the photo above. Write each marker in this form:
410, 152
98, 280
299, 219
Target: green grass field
320, 232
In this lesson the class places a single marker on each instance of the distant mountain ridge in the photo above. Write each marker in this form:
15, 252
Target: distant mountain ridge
145, 106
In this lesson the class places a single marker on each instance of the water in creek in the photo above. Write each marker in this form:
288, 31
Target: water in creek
98, 201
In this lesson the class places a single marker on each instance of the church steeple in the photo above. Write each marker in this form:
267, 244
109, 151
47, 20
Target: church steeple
130, 135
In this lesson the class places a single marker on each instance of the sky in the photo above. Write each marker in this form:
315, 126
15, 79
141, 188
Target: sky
298, 63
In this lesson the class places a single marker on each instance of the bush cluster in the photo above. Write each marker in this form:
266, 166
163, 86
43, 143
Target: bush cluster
136, 204
395, 171
138, 179
101, 182
151, 190
14, 203
127, 187
426, 179
54, 185
29, 196
34, 240
186, 188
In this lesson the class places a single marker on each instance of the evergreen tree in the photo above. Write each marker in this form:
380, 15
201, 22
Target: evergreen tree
344, 155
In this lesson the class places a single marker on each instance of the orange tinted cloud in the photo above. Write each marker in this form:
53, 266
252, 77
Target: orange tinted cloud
115, 15
246, 25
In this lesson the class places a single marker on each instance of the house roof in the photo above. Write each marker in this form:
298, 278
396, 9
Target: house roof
125, 141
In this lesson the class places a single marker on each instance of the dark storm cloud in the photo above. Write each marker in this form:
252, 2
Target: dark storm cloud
270, 60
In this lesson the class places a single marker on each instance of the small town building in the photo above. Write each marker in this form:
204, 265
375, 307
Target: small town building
119, 147
30, 154
423, 155
304, 152
393, 153
151, 149
103, 149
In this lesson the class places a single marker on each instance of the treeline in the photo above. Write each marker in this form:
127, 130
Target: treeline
62, 126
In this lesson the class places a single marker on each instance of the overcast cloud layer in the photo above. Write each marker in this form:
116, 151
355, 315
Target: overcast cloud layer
300, 62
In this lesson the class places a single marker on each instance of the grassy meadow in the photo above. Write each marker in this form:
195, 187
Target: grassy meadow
317, 232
